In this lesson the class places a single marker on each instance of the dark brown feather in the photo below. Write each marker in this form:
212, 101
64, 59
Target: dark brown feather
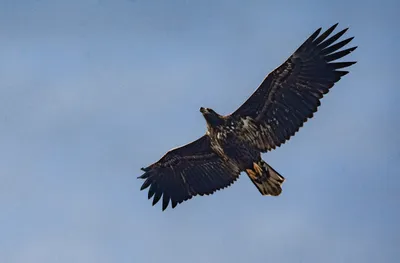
291, 93
193, 169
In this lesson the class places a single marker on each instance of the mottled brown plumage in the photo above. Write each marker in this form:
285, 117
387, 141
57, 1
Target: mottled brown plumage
287, 98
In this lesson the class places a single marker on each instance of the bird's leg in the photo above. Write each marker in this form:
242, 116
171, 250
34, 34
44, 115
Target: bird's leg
255, 172
257, 168
251, 173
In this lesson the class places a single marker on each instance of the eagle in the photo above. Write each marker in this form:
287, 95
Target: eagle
278, 108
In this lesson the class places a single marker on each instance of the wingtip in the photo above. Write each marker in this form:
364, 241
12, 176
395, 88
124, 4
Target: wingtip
146, 184
316, 32
350, 39
143, 176
333, 26
344, 30
352, 49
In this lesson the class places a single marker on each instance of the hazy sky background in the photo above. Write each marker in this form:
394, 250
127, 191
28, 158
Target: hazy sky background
93, 90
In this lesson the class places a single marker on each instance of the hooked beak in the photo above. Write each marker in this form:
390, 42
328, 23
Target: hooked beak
203, 110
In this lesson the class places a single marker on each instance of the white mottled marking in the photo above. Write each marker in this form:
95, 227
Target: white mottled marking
246, 123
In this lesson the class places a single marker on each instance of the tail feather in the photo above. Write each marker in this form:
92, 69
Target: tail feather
265, 178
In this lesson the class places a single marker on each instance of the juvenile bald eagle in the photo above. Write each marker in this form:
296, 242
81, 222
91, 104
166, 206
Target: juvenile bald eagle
287, 97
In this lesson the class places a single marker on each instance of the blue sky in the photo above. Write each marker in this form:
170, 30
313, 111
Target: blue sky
93, 90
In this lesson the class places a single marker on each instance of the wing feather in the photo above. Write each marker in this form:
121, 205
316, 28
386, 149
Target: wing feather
193, 169
291, 93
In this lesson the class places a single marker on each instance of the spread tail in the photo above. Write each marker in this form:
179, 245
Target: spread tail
265, 178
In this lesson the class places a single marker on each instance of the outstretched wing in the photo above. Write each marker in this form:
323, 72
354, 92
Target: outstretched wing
291, 93
193, 169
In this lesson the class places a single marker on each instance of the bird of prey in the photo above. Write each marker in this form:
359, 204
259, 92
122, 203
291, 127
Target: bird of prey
286, 98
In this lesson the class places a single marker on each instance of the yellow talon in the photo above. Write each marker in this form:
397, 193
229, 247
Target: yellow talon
257, 168
251, 173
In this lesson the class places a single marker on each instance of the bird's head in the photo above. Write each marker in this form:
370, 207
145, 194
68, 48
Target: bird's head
213, 119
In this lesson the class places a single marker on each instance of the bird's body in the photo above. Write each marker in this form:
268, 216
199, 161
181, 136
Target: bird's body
228, 141
287, 98
231, 139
